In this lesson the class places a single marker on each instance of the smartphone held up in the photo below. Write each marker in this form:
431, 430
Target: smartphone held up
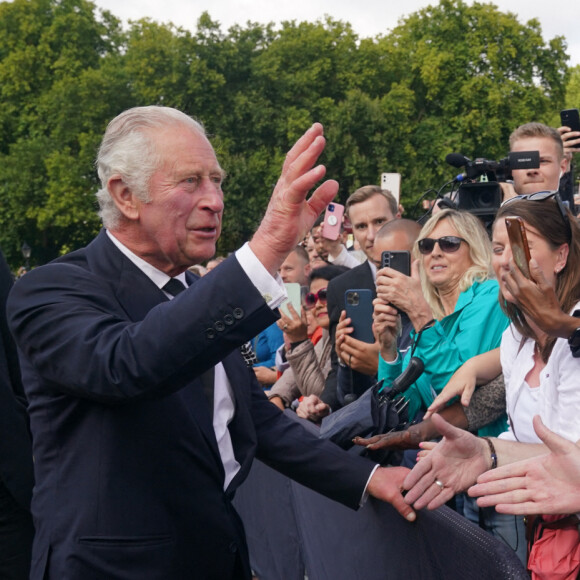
332, 225
519, 244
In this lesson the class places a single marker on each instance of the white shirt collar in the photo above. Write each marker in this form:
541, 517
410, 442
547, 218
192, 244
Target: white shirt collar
158, 277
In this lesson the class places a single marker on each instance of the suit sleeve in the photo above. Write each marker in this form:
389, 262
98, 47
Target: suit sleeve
286, 446
64, 312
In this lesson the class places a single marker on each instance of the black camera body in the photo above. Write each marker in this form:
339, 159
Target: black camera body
483, 198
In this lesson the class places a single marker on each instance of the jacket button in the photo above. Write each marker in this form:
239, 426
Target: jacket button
210, 333
233, 548
219, 326
238, 313
229, 319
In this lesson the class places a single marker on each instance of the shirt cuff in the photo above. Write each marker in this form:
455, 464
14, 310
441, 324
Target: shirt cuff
365, 494
271, 289
384, 364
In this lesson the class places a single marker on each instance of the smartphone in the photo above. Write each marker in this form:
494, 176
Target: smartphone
519, 244
392, 182
400, 261
358, 304
570, 118
332, 221
294, 297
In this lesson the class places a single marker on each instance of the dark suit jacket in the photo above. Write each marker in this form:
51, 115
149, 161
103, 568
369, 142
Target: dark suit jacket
129, 477
15, 445
358, 278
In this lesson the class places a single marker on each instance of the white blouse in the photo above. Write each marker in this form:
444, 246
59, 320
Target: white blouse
557, 397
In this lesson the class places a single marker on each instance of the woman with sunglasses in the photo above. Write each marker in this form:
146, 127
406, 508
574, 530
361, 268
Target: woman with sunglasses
451, 301
541, 375
309, 363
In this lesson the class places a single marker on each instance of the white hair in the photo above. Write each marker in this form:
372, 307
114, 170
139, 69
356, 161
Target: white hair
128, 149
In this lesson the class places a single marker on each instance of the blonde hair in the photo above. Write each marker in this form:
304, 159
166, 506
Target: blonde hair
472, 231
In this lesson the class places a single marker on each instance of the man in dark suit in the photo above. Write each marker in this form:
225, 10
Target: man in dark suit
145, 418
16, 474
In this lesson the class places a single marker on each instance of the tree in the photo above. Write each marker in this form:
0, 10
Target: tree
55, 105
450, 77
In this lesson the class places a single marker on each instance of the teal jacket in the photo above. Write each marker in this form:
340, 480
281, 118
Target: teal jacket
475, 327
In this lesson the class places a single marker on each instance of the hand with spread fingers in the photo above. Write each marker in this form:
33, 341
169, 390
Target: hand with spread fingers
451, 466
547, 484
397, 440
290, 214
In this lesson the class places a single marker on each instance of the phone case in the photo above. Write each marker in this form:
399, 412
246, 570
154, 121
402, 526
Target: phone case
332, 221
400, 261
359, 308
519, 244
392, 183
294, 297
570, 118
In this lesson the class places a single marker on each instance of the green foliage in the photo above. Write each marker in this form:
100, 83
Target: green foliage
450, 77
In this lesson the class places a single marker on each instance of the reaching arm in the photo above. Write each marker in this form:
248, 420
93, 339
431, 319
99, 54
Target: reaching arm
477, 370
456, 462
549, 484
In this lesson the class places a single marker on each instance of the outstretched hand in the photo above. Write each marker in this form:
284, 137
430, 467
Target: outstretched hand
396, 441
461, 384
289, 214
547, 484
451, 466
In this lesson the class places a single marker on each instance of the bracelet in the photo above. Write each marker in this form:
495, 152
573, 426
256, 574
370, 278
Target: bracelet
492, 452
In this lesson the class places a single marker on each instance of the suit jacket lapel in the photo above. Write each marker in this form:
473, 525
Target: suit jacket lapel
137, 295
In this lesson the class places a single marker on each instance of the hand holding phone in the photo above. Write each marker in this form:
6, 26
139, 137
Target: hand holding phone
359, 308
570, 118
519, 244
294, 297
399, 261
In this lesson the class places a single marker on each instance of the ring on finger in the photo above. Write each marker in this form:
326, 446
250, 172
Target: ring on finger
440, 484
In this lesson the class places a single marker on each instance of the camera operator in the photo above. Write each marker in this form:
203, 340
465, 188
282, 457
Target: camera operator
553, 163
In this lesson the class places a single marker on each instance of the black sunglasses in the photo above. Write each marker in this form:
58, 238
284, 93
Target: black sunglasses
448, 244
311, 299
541, 196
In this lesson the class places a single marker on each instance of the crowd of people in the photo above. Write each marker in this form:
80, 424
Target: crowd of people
151, 381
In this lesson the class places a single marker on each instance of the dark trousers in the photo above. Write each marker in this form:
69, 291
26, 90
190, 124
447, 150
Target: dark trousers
16, 534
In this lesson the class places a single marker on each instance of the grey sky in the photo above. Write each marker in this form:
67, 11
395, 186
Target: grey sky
367, 17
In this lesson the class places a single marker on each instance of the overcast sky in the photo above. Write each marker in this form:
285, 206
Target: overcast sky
367, 17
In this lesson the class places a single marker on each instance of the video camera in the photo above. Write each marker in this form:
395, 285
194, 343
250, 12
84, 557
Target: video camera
483, 198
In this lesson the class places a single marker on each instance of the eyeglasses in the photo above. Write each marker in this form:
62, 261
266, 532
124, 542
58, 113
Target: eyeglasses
538, 196
541, 196
311, 299
448, 244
